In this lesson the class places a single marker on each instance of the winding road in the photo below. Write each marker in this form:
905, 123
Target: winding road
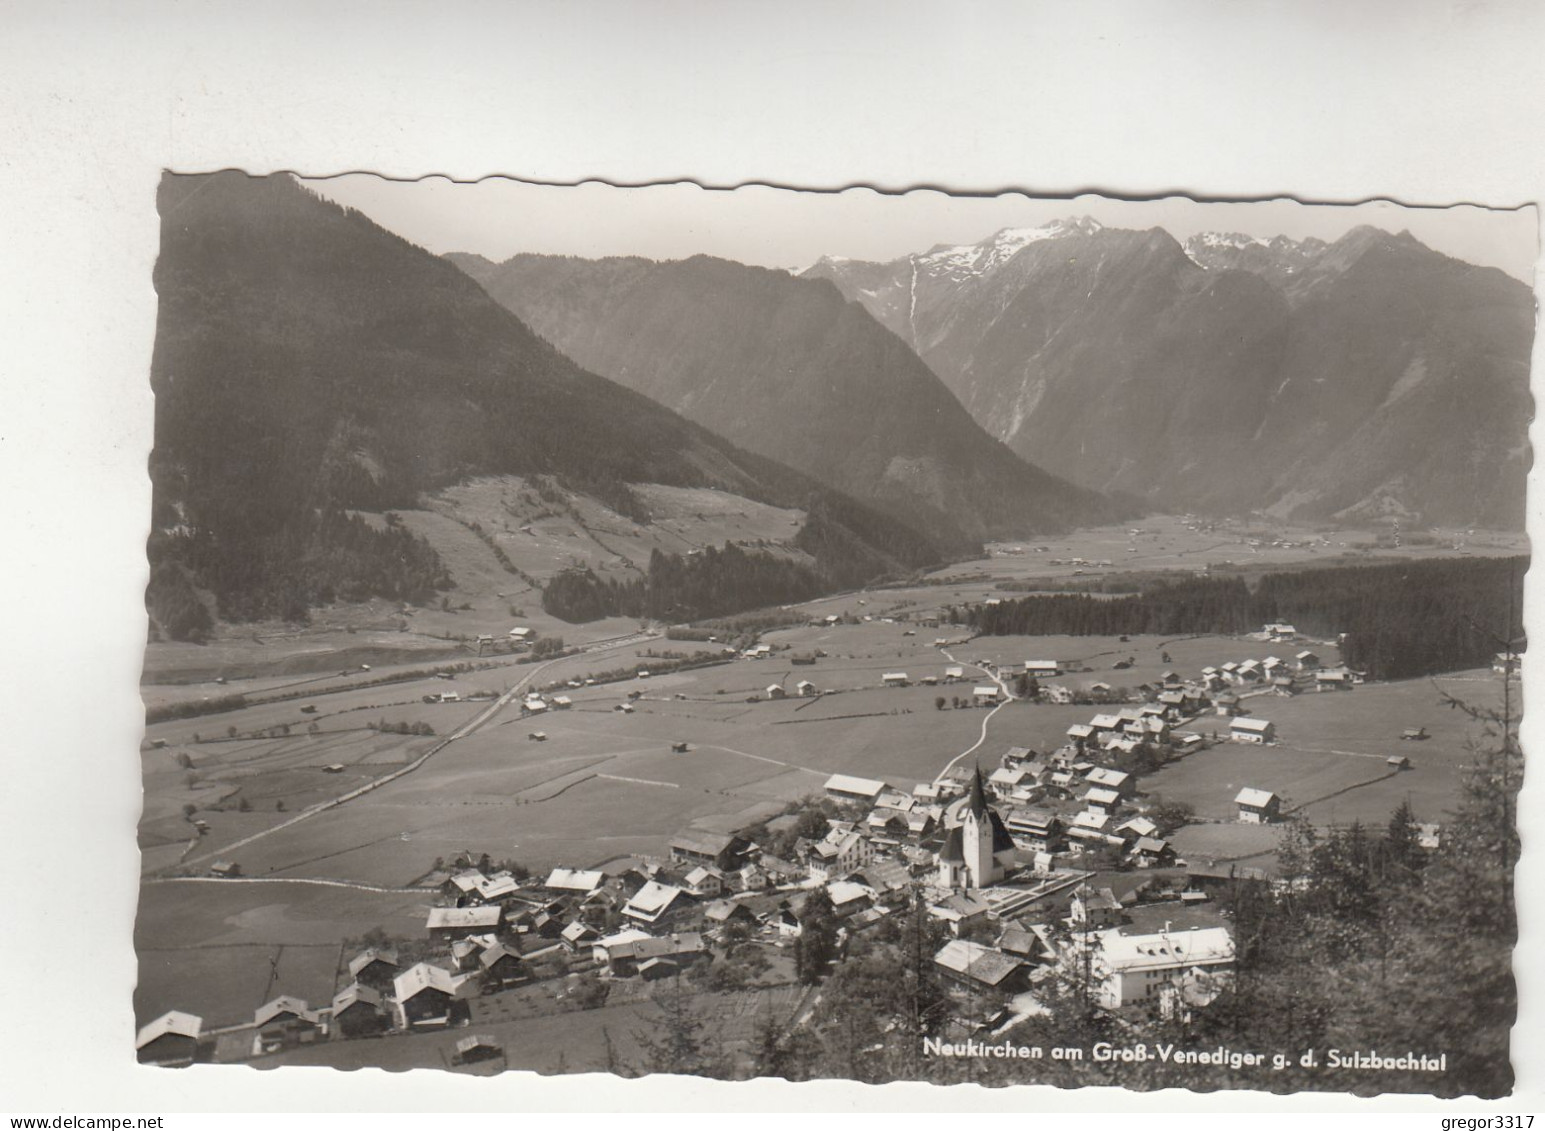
1008, 697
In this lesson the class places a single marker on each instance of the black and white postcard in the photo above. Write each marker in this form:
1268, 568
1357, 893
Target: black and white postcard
762, 634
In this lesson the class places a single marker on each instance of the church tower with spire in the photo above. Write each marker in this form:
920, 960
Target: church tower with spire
977, 851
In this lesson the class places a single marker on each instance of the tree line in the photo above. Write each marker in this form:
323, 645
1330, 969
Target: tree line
1400, 620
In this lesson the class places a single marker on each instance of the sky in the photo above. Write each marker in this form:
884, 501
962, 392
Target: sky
778, 227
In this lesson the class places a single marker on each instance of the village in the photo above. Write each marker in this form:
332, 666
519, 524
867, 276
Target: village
1036, 865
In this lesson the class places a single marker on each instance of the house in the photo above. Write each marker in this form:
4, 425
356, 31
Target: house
1280, 631
1102, 723
1258, 731
1037, 828
425, 996
838, 854
777, 691
578, 935
1334, 679
374, 967
985, 694
1307, 661
656, 903
804, 688
1398, 762
1258, 806
1283, 686
721, 850
359, 1011
954, 674
476, 1048
1081, 732
1136, 969
848, 898
573, 880
562, 702
722, 912
285, 1021
978, 967
500, 966
1042, 669
447, 923
1004, 781
1092, 825
1024, 943
1138, 827
1152, 852
1096, 910
704, 882
843, 787
1057, 693
170, 1041
626, 958
1105, 777
960, 911
894, 679
1102, 800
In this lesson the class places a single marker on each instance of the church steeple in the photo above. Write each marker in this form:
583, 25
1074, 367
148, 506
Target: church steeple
977, 798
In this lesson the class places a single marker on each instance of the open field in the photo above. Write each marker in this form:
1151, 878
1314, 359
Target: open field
605, 783
1329, 755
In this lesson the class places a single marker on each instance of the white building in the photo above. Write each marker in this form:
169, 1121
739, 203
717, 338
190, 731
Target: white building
1258, 731
1133, 969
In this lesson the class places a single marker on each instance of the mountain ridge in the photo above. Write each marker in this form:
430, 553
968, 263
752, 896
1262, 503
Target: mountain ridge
1243, 373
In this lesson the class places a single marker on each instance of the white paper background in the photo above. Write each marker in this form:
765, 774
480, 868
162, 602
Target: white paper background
1422, 102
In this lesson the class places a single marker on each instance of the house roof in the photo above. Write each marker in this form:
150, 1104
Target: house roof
463, 918
977, 962
173, 1023
572, 879
1150, 845
845, 891
281, 1005
653, 899
1255, 798
1142, 826
846, 783
1099, 796
1107, 777
493, 954
365, 957
355, 994
1204, 945
705, 843
699, 874
1257, 725
961, 905
416, 979
643, 949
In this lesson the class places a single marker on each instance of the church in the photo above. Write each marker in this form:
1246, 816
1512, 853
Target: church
978, 851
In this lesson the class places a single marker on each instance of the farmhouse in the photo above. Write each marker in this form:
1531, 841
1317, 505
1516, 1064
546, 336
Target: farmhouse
571, 879
837, 855
171, 1040
1334, 679
894, 679
425, 995
285, 1021
843, 787
359, 1011
655, 903
501, 966
979, 967
1307, 661
1280, 631
704, 881
1106, 777
373, 967
805, 688
954, 674
1040, 828
1258, 731
626, 956
1137, 968
777, 691
722, 850
1258, 806
985, 694
447, 923
1040, 669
